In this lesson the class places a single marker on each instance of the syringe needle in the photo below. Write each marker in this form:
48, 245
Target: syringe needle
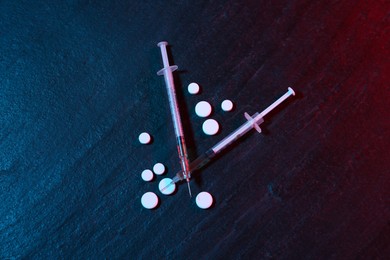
189, 189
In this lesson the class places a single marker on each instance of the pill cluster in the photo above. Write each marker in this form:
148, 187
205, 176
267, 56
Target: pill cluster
150, 200
204, 109
204, 200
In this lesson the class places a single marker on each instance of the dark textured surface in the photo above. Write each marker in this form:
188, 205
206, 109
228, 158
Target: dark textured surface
78, 84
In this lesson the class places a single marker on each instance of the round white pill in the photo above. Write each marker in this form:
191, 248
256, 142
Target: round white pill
227, 105
147, 175
144, 138
203, 109
210, 127
204, 200
193, 88
168, 185
149, 200
159, 168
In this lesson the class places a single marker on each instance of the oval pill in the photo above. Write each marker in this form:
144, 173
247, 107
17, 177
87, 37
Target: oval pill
193, 88
204, 200
147, 175
210, 127
159, 168
144, 138
168, 185
227, 105
203, 109
149, 200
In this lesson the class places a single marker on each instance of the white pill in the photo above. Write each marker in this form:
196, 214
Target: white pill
210, 127
147, 175
149, 200
193, 88
144, 138
159, 168
204, 200
203, 109
168, 185
227, 105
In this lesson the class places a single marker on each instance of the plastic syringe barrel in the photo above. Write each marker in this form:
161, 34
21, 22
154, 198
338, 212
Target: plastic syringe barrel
252, 122
169, 82
256, 119
243, 129
170, 86
202, 160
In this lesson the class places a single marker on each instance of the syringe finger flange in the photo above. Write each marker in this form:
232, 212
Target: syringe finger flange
171, 68
255, 123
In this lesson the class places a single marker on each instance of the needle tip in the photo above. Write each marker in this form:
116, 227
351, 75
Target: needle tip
189, 189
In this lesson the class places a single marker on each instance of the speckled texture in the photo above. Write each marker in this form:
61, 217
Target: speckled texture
78, 84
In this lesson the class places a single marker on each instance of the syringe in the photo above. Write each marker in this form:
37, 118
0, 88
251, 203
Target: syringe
253, 122
181, 146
